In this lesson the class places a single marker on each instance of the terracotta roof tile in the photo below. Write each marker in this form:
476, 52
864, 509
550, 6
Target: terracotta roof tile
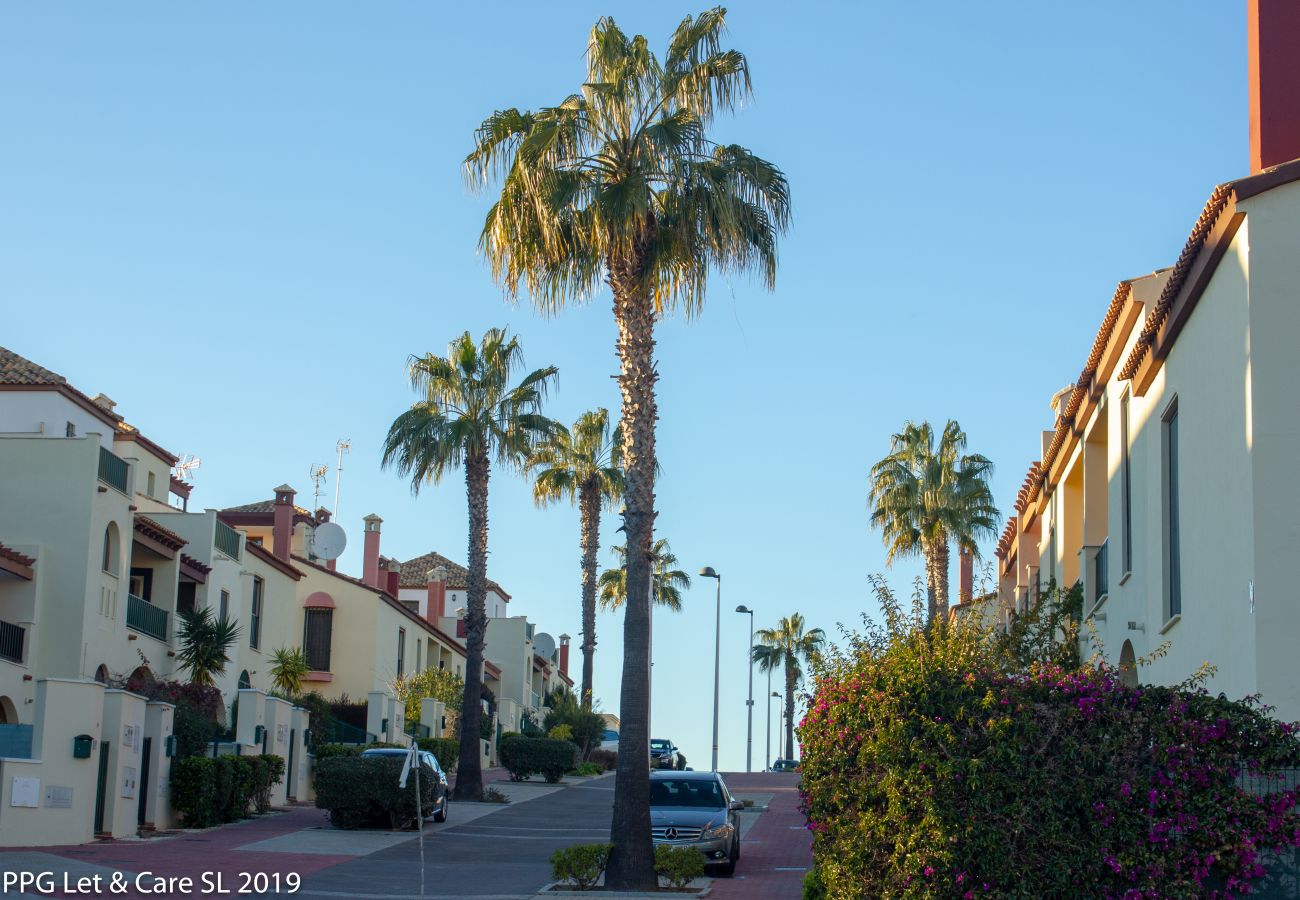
415, 573
148, 526
263, 506
15, 369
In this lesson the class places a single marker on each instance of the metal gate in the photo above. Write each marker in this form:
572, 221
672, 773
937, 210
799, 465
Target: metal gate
143, 787
101, 791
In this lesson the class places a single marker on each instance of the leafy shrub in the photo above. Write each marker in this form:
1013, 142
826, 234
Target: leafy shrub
560, 733
587, 770
581, 865
606, 759
585, 725
813, 889
325, 751
936, 764
361, 792
445, 750
319, 717
492, 795
678, 866
443, 685
207, 791
523, 756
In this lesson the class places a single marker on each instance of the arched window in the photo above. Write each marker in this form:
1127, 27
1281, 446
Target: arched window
111, 551
1128, 670
244, 680
8, 712
101, 674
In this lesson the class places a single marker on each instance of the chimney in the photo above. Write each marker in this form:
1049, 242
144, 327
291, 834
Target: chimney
966, 584
394, 577
381, 577
1273, 73
282, 524
322, 516
370, 552
105, 403
564, 653
437, 607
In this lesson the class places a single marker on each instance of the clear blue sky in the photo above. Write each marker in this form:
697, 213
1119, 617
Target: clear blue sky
238, 220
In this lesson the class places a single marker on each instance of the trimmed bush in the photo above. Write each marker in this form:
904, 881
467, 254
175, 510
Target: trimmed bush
582, 865
606, 759
588, 770
445, 750
678, 866
525, 756
935, 765
207, 791
325, 751
363, 792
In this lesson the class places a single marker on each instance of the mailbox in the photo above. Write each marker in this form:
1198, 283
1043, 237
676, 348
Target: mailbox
259, 733
82, 744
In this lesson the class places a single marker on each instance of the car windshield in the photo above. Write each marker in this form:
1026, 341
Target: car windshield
659, 745
697, 792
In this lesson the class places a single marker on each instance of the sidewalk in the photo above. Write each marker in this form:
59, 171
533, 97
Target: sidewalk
777, 851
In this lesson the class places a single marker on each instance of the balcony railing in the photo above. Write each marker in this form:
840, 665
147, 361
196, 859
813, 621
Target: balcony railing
146, 618
112, 470
537, 701
12, 638
1100, 573
227, 540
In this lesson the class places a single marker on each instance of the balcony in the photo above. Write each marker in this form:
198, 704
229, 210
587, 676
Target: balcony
227, 540
12, 638
144, 617
112, 470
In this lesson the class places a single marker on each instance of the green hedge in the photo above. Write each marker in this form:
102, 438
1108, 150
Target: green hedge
208, 791
582, 865
360, 793
447, 751
525, 756
325, 751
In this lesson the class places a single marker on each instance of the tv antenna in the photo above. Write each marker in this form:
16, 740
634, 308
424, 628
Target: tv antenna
343, 446
317, 474
186, 465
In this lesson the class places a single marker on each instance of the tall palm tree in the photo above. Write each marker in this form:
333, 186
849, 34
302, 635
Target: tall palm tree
470, 416
205, 641
583, 464
620, 184
668, 582
788, 646
924, 495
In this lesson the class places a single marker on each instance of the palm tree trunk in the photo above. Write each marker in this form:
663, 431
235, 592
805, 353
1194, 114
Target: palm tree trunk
631, 863
589, 504
469, 772
789, 706
941, 579
931, 579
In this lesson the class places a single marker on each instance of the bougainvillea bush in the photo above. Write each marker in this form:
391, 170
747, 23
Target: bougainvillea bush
935, 765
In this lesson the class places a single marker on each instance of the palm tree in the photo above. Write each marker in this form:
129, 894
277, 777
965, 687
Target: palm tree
288, 668
620, 184
470, 416
923, 496
584, 464
789, 646
668, 582
205, 641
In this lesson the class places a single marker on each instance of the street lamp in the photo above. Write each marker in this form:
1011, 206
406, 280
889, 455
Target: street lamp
749, 704
708, 572
769, 719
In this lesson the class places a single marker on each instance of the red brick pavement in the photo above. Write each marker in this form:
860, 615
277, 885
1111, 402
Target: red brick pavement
777, 850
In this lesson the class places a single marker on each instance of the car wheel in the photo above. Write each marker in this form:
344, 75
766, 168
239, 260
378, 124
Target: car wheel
441, 815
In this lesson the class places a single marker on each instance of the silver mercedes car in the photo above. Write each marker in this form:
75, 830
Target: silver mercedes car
695, 809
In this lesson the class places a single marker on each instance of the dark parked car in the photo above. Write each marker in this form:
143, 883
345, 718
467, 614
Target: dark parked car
785, 765
427, 761
695, 809
665, 755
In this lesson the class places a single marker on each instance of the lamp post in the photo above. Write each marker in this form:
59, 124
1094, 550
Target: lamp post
708, 572
770, 694
749, 704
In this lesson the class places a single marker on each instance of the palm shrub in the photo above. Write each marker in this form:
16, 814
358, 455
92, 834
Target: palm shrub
470, 415
288, 669
924, 495
205, 641
621, 184
936, 765
583, 465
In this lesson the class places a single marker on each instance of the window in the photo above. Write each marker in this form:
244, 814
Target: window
223, 611
1126, 485
419, 653
401, 650
70, 430
153, 483
185, 593
110, 549
317, 630
141, 583
1173, 560
255, 614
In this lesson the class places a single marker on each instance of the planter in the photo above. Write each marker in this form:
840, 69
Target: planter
555, 889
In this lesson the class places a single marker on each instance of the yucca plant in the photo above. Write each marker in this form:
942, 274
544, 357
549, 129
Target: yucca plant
288, 669
205, 641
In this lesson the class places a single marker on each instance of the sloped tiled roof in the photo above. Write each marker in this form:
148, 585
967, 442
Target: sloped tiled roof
415, 574
15, 369
264, 506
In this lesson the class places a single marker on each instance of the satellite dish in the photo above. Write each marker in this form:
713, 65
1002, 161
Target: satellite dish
330, 540
543, 645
